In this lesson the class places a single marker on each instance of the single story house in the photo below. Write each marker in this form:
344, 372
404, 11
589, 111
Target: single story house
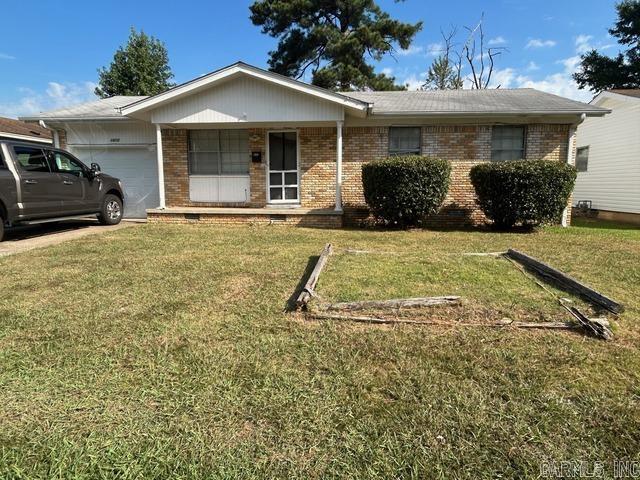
608, 157
242, 144
16, 130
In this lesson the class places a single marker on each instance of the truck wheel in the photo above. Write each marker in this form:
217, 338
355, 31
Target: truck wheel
111, 212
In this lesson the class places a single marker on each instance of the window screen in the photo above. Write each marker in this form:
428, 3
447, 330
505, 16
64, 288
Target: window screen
582, 159
507, 143
404, 140
219, 152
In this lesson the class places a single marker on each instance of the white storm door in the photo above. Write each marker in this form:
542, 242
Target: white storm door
283, 183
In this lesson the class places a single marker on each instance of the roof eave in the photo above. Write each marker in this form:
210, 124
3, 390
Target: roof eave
72, 119
600, 113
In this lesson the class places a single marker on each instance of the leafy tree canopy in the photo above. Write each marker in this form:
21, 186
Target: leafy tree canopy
599, 72
141, 67
333, 38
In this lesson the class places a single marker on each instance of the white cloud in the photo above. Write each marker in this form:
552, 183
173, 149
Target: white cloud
435, 49
538, 43
415, 82
6, 56
412, 50
56, 95
497, 41
532, 66
582, 43
387, 71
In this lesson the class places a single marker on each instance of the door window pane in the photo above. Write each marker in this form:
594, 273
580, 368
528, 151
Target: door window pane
31, 159
276, 151
290, 151
291, 178
283, 151
275, 178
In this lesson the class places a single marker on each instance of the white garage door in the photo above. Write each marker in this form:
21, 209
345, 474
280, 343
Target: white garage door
135, 167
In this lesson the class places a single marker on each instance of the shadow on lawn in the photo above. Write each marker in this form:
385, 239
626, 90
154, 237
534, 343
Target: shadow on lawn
290, 306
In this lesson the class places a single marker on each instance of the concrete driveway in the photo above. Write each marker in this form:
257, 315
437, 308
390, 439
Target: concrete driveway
24, 238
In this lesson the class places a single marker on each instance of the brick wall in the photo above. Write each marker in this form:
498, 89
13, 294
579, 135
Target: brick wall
463, 145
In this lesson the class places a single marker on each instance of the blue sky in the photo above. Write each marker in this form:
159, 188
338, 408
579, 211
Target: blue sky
50, 58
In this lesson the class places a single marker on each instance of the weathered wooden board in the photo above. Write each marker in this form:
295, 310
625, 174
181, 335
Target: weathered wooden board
564, 281
392, 304
309, 287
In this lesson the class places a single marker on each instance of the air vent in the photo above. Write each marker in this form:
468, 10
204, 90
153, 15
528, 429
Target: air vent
192, 217
277, 218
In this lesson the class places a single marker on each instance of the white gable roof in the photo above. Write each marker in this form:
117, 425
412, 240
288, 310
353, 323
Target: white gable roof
142, 108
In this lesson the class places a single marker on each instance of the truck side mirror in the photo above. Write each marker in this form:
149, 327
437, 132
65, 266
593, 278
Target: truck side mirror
95, 167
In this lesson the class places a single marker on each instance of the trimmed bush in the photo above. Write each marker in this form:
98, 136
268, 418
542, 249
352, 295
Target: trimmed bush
402, 190
526, 192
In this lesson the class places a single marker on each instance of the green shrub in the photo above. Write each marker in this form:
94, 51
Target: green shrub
528, 192
402, 190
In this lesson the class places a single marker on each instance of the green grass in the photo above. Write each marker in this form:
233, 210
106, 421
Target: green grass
163, 351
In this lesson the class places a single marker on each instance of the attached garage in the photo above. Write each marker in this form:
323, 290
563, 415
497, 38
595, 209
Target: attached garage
124, 148
136, 168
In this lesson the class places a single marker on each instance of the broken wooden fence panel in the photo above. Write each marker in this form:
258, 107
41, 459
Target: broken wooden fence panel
565, 281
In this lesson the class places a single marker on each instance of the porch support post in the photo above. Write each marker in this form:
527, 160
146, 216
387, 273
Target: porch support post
160, 161
339, 166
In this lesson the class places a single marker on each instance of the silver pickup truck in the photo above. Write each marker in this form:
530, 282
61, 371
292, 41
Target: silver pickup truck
42, 184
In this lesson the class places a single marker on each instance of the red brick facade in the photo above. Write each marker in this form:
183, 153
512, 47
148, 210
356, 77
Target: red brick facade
463, 145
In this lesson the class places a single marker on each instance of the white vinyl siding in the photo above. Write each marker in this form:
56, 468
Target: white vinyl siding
507, 143
246, 99
612, 180
404, 140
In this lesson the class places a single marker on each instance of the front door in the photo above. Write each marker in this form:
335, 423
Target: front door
283, 182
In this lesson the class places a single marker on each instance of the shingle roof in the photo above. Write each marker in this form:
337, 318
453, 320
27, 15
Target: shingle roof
11, 126
629, 92
103, 108
441, 102
496, 101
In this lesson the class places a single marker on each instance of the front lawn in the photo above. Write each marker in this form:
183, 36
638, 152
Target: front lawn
163, 351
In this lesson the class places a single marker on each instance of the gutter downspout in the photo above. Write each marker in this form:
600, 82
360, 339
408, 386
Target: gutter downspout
572, 134
56, 137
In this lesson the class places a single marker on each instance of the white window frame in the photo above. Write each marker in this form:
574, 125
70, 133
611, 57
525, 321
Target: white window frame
296, 171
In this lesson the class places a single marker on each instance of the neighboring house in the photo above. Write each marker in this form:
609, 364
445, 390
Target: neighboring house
17, 130
243, 144
608, 158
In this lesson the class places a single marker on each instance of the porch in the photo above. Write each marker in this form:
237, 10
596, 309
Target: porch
303, 217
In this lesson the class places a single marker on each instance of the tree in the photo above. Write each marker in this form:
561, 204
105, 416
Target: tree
599, 72
333, 38
445, 73
481, 60
141, 67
